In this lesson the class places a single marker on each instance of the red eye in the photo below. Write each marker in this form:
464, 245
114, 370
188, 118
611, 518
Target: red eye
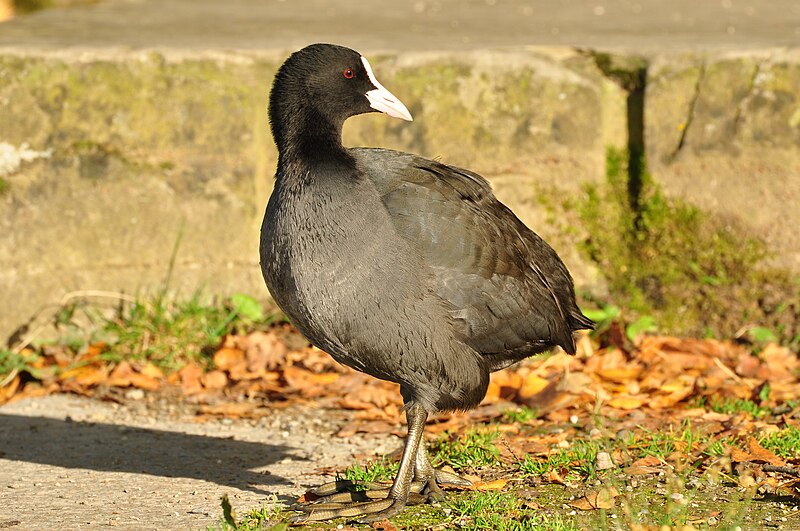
348, 73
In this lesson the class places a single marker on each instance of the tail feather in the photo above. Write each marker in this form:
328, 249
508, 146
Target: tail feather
578, 321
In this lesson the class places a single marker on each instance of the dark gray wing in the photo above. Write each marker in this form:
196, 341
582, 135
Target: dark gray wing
510, 293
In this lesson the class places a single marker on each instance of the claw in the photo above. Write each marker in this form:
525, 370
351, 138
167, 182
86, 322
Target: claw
447, 479
416, 482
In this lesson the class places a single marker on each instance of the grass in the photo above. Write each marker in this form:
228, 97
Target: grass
785, 443
165, 331
520, 415
473, 448
381, 470
578, 459
169, 333
741, 405
263, 519
501, 511
684, 494
667, 261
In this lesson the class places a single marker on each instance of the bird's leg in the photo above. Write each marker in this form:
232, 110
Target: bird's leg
397, 498
431, 478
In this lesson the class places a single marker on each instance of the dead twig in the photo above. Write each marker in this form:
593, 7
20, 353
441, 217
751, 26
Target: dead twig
735, 377
789, 471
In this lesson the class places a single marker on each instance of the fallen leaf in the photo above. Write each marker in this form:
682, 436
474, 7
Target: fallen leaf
265, 351
152, 371
384, 525
226, 358
604, 461
649, 460
532, 385
601, 499
756, 453
554, 476
142, 381
229, 409
190, 379
86, 376
214, 380
359, 426
307, 382
9, 389
120, 376
497, 484
620, 374
628, 402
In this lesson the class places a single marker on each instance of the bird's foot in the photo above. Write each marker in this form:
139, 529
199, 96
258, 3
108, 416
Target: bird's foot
348, 499
362, 512
448, 479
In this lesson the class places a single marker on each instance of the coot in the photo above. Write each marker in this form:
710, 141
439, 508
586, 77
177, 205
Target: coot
401, 267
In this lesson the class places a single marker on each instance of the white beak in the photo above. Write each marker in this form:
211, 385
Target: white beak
382, 100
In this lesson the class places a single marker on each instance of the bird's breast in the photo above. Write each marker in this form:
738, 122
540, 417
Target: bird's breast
323, 254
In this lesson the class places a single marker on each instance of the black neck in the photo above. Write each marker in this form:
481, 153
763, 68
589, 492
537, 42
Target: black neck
305, 136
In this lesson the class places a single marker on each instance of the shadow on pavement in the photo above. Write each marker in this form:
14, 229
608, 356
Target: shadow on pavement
114, 448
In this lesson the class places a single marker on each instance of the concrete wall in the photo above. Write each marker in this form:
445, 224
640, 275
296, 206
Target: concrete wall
723, 130
133, 153
140, 152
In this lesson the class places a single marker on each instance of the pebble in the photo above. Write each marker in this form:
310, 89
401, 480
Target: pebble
134, 394
604, 461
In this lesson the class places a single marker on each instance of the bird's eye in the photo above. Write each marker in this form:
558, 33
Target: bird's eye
348, 73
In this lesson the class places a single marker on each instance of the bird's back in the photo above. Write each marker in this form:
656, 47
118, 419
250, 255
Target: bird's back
508, 292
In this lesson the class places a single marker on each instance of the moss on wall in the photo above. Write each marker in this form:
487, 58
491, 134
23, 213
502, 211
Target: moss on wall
695, 273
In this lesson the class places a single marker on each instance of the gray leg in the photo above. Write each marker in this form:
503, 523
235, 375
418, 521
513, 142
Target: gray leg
398, 496
432, 479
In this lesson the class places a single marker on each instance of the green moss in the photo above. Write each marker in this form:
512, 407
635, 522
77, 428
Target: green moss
627, 70
29, 6
694, 273
5, 186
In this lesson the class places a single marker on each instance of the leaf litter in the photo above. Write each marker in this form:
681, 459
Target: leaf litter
657, 405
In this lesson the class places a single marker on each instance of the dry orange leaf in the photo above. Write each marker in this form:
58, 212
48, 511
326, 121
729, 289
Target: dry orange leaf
384, 525
497, 484
87, 375
142, 381
628, 402
152, 371
756, 453
781, 361
532, 385
612, 359
553, 476
601, 499
190, 379
650, 460
226, 358
214, 380
507, 378
120, 376
9, 389
302, 379
265, 351
665, 401
620, 374
492, 392
229, 409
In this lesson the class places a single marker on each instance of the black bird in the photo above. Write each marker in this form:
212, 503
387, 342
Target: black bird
401, 267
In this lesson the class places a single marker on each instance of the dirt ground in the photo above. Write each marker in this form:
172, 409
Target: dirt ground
70, 462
